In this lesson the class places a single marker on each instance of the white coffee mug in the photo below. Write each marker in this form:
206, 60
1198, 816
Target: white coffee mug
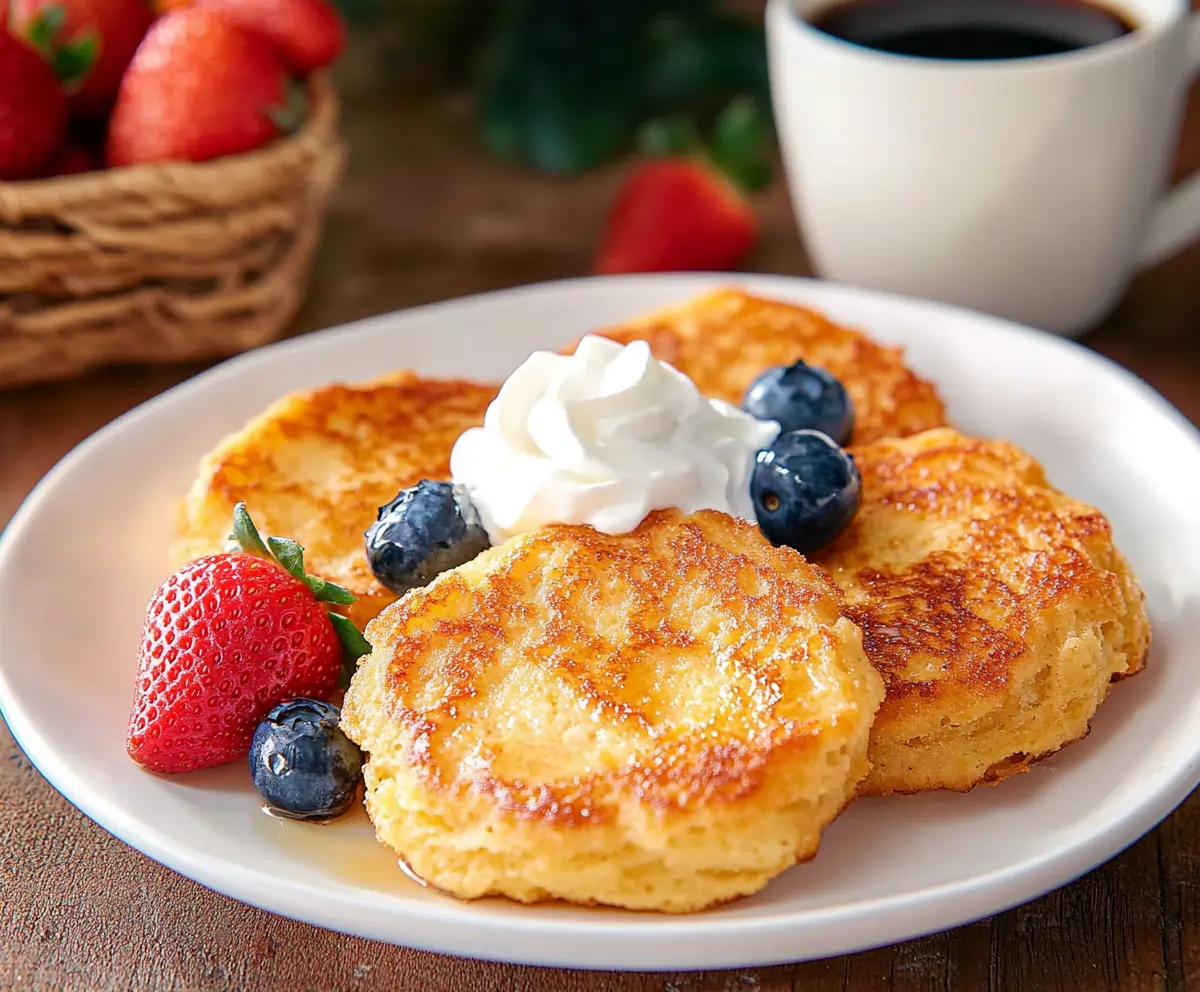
1028, 188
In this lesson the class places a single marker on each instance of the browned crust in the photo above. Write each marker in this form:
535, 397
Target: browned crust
722, 340
370, 439
757, 596
960, 548
959, 563
1134, 668
384, 435
1015, 764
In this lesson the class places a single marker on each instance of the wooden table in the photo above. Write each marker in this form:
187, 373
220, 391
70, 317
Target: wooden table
423, 216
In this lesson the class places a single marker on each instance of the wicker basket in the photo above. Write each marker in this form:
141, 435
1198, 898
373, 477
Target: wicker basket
169, 262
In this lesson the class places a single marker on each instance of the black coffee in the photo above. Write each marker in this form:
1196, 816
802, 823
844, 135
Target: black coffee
973, 29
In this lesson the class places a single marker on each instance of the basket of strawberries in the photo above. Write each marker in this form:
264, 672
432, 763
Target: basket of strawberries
162, 178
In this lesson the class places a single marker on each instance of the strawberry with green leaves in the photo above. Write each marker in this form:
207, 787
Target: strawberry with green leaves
88, 42
227, 638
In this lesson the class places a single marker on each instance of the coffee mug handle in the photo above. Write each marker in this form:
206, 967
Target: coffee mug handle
1176, 221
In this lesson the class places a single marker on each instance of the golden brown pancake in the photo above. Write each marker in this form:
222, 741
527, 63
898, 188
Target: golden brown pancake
659, 720
317, 465
724, 339
996, 609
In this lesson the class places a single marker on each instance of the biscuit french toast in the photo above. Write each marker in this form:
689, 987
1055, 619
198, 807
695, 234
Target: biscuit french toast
659, 720
317, 465
725, 338
996, 609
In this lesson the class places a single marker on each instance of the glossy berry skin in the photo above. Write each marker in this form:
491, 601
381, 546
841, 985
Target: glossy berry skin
806, 489
226, 638
427, 529
308, 34
802, 397
675, 215
117, 26
72, 161
33, 111
301, 762
198, 88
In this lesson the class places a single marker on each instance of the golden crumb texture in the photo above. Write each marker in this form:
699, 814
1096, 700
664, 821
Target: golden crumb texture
722, 340
661, 720
317, 465
996, 609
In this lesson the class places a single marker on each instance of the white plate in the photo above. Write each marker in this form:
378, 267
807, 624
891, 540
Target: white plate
85, 551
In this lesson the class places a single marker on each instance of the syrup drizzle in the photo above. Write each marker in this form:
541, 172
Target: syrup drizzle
315, 819
345, 849
411, 873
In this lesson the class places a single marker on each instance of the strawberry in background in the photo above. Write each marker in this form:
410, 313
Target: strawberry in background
676, 215
72, 160
308, 34
216, 78
198, 88
33, 111
685, 208
89, 43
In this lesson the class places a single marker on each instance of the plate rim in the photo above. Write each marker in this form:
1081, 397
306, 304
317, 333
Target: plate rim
890, 919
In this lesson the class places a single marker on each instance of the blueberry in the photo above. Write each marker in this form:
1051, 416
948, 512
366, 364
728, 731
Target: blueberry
805, 489
802, 397
427, 529
301, 762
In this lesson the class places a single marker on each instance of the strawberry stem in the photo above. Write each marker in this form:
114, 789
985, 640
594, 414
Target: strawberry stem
245, 537
71, 60
327, 592
43, 29
289, 555
354, 646
291, 116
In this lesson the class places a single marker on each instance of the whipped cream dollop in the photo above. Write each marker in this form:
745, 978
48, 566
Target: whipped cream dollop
602, 437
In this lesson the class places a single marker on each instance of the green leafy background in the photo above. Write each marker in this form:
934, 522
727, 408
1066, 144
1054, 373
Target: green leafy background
564, 85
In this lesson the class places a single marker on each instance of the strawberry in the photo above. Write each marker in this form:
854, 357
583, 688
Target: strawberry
675, 214
308, 34
89, 42
33, 111
227, 638
72, 160
198, 88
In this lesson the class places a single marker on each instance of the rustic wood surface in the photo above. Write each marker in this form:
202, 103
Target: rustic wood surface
423, 216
